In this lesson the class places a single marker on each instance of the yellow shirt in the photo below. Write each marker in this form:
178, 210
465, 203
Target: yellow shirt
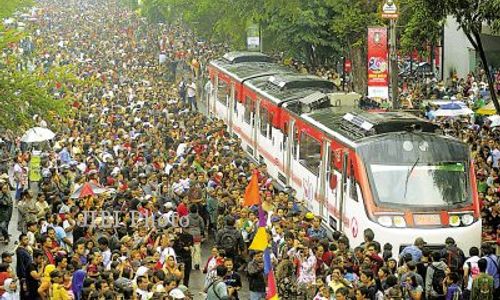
59, 292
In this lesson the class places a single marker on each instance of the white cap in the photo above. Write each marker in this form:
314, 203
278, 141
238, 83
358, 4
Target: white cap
177, 294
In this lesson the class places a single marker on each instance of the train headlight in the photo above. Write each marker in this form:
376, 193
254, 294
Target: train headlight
467, 219
454, 220
385, 221
399, 221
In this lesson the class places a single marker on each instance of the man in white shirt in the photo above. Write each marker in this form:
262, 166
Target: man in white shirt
471, 270
191, 95
106, 252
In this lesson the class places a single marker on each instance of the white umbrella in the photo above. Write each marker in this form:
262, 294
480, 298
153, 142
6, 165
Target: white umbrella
453, 110
495, 120
37, 134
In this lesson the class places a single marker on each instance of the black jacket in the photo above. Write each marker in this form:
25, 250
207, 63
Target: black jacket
256, 280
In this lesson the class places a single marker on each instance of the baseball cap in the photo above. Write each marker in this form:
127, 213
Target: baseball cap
177, 294
420, 242
7, 254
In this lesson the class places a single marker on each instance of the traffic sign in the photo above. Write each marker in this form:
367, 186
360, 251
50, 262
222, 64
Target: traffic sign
347, 66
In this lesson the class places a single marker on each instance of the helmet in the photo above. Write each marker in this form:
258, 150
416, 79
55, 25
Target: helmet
46, 174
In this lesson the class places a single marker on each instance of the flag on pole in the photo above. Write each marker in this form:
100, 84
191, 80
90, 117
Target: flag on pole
259, 242
272, 293
262, 217
268, 267
252, 196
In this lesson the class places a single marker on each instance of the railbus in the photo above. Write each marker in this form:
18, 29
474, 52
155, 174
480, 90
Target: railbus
389, 171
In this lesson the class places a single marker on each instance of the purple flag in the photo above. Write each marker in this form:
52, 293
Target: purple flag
262, 217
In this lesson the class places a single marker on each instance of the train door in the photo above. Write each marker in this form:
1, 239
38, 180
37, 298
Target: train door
323, 184
255, 129
230, 108
211, 98
287, 145
343, 189
336, 186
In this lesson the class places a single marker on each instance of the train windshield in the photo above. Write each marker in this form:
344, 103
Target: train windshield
418, 170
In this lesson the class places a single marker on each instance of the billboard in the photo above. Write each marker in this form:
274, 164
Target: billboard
253, 37
378, 63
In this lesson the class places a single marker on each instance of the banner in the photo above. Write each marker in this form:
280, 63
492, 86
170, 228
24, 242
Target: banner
378, 64
253, 37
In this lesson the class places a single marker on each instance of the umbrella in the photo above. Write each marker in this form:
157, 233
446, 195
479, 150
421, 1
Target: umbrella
87, 189
495, 120
453, 110
488, 109
442, 103
37, 134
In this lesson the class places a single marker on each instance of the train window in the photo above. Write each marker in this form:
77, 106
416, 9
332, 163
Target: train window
222, 92
353, 193
310, 153
249, 109
264, 121
270, 125
295, 142
236, 102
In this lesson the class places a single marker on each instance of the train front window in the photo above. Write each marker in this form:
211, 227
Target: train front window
417, 170
426, 185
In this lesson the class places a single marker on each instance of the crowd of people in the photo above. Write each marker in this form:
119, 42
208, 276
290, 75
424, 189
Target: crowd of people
119, 204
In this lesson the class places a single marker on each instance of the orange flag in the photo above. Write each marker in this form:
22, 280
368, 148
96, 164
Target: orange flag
252, 196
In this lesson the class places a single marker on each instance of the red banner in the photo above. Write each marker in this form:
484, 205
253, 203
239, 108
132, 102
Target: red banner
378, 63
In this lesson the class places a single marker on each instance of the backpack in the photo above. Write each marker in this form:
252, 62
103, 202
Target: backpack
437, 280
473, 270
454, 259
227, 241
484, 288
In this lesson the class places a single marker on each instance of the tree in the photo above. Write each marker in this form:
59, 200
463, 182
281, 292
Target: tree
24, 93
302, 29
472, 15
350, 25
422, 26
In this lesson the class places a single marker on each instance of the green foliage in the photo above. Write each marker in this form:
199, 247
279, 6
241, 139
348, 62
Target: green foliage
23, 94
423, 26
8, 7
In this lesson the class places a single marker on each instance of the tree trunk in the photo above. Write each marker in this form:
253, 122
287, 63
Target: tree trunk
482, 55
358, 59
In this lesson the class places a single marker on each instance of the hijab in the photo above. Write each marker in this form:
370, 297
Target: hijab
9, 293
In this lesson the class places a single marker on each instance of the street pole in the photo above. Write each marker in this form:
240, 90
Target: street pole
393, 64
261, 39
343, 73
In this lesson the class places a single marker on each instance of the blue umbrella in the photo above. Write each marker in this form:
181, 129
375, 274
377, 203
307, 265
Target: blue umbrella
451, 106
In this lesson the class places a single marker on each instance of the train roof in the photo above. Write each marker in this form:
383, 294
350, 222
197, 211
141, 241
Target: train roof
248, 70
282, 87
237, 57
356, 125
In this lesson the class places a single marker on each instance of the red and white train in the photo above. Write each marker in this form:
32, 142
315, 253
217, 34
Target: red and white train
388, 171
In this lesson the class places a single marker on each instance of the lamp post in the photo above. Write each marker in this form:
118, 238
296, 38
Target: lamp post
390, 11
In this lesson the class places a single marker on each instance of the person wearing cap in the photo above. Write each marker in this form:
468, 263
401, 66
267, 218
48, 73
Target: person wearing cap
415, 250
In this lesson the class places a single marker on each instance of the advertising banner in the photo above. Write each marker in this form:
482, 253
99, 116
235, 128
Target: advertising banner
253, 37
378, 63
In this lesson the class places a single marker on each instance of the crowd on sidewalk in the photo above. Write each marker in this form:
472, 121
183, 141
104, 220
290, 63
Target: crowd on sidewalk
118, 204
